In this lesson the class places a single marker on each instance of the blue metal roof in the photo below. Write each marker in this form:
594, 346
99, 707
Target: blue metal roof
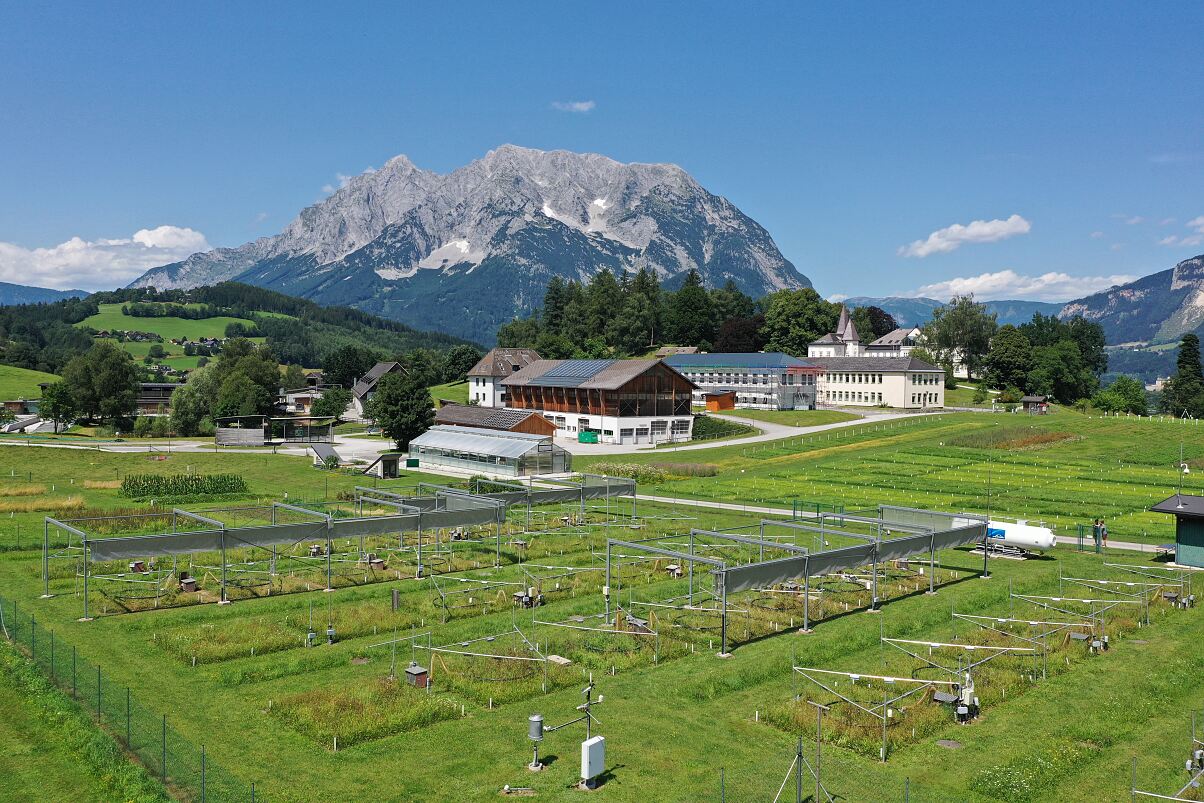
752, 361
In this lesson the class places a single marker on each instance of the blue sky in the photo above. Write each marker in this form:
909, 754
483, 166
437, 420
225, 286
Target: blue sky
1073, 131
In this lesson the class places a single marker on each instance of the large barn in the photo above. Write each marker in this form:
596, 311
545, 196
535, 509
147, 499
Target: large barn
614, 401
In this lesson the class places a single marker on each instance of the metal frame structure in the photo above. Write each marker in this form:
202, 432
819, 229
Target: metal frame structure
881, 712
801, 563
1195, 771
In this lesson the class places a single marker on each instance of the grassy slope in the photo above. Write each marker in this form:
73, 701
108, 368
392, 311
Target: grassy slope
451, 391
110, 317
794, 418
49, 750
22, 383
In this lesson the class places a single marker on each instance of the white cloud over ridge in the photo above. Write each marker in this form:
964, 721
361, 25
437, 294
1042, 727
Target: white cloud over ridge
1188, 240
575, 106
1009, 285
98, 264
950, 238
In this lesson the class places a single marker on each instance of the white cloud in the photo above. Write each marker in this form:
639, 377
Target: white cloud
1097, 235
836, 298
1133, 221
98, 264
953, 237
1196, 224
344, 179
1007, 284
261, 217
575, 106
1166, 221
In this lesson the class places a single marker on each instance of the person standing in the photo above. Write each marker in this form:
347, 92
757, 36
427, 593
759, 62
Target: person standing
1103, 532
1095, 532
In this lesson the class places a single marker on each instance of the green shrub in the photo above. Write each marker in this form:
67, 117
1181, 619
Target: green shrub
707, 427
142, 485
634, 471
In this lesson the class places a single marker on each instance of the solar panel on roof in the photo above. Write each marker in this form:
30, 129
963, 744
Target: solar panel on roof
578, 369
572, 373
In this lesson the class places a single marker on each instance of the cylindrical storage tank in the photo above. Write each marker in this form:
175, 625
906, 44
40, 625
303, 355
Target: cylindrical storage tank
535, 727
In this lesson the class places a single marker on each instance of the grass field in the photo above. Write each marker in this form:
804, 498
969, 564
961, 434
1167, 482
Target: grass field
451, 391
268, 708
794, 418
22, 383
110, 317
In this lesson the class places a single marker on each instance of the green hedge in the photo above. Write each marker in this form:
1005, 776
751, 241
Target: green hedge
141, 485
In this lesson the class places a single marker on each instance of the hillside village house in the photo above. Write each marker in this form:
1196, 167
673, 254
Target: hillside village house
758, 381
620, 401
365, 387
485, 378
846, 341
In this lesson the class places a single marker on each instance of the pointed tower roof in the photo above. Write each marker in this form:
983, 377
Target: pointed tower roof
846, 330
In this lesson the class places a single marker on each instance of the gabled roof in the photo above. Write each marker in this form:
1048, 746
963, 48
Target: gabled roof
589, 374
503, 362
873, 364
829, 338
489, 417
1033, 399
493, 443
896, 337
367, 383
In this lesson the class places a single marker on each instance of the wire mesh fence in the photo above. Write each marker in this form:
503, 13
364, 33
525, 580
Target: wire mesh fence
180, 764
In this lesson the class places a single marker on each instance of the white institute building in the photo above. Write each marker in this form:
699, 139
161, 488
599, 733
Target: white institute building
758, 380
485, 378
879, 374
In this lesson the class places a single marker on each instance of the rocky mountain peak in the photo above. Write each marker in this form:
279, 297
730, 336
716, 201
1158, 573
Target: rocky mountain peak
501, 225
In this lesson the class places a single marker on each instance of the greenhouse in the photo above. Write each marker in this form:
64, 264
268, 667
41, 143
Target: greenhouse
517, 454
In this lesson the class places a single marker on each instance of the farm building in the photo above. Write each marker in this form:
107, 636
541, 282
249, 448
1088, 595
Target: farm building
1035, 405
614, 401
300, 400
517, 454
760, 381
906, 382
717, 400
485, 378
500, 418
154, 398
364, 388
1188, 511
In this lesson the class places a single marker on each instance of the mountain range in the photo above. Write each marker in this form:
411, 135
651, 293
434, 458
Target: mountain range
466, 251
26, 294
917, 311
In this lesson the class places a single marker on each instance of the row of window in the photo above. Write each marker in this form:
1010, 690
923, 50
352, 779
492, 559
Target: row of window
854, 396
927, 379
750, 379
924, 398
858, 379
